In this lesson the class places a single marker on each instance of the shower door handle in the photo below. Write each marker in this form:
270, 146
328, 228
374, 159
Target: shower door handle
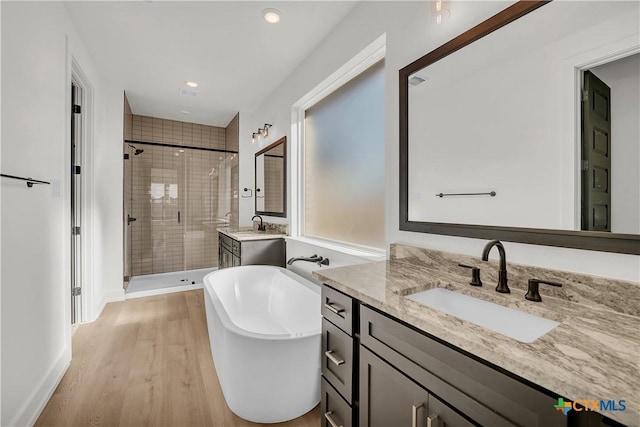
130, 219
178, 217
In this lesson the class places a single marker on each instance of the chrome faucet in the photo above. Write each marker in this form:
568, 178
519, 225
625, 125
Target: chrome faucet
261, 227
313, 258
502, 274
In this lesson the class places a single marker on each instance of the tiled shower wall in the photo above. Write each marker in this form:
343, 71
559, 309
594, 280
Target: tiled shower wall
164, 182
152, 129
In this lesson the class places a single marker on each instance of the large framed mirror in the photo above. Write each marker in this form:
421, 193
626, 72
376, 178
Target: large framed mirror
271, 179
526, 129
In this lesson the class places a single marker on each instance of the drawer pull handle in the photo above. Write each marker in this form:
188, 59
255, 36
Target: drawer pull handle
334, 307
433, 421
327, 415
414, 414
334, 359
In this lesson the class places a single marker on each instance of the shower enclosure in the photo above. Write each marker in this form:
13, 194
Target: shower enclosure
174, 200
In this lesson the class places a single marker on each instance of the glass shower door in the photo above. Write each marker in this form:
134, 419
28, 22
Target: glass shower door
179, 197
206, 205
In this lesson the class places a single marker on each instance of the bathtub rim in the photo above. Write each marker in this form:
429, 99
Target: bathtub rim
233, 328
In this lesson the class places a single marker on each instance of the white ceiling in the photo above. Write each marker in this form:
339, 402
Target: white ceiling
151, 48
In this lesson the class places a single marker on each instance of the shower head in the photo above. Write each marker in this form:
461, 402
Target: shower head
138, 150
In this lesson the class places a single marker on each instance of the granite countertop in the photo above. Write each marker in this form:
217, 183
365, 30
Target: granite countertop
246, 234
593, 354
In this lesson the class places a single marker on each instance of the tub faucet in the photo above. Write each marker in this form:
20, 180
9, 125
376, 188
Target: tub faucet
502, 274
313, 258
261, 227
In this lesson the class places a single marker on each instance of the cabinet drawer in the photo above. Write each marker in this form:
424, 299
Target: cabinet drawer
235, 247
334, 408
224, 240
337, 359
338, 308
476, 389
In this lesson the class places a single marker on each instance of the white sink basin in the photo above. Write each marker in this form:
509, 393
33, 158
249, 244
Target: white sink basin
515, 324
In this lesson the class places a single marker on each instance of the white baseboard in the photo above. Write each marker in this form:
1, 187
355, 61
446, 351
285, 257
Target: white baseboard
33, 406
109, 296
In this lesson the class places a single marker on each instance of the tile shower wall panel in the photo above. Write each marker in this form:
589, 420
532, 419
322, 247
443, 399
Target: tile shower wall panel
153, 129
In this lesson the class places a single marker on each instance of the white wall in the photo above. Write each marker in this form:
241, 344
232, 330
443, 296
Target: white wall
623, 77
38, 41
409, 35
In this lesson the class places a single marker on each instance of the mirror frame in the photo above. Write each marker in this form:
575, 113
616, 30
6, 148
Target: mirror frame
588, 240
283, 214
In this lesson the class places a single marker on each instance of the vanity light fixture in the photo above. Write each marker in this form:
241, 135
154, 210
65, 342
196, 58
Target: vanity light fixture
272, 16
265, 130
254, 135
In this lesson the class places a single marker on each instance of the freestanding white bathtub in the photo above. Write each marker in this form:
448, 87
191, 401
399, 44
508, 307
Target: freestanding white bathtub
264, 326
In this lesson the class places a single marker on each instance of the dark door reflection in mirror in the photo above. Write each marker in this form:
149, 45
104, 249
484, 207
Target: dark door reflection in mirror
270, 177
498, 109
610, 143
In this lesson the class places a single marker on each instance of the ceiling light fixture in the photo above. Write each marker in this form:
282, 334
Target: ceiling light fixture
192, 84
185, 112
272, 16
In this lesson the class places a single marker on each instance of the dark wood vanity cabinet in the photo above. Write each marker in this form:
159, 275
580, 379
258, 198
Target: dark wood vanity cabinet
461, 390
339, 359
378, 372
232, 253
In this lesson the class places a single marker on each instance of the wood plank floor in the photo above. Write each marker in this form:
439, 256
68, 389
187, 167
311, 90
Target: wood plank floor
146, 362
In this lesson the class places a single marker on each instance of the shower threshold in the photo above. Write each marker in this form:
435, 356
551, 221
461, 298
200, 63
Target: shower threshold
165, 283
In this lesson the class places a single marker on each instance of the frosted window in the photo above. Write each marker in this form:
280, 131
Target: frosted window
344, 163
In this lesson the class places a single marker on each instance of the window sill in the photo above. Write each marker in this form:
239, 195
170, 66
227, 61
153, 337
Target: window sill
370, 254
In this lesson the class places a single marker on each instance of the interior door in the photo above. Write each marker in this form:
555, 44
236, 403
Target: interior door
76, 202
128, 217
596, 154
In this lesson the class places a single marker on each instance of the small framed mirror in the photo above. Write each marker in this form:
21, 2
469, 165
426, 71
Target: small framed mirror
271, 179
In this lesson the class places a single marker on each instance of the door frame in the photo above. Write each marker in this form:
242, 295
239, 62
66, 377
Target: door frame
573, 70
79, 78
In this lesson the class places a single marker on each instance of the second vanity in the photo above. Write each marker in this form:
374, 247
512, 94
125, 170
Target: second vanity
249, 247
389, 360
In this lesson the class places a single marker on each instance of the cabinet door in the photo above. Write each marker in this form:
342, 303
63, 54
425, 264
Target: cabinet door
441, 415
235, 260
387, 397
225, 257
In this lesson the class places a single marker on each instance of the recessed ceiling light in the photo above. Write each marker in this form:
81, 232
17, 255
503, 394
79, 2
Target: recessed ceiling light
272, 16
185, 112
192, 84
